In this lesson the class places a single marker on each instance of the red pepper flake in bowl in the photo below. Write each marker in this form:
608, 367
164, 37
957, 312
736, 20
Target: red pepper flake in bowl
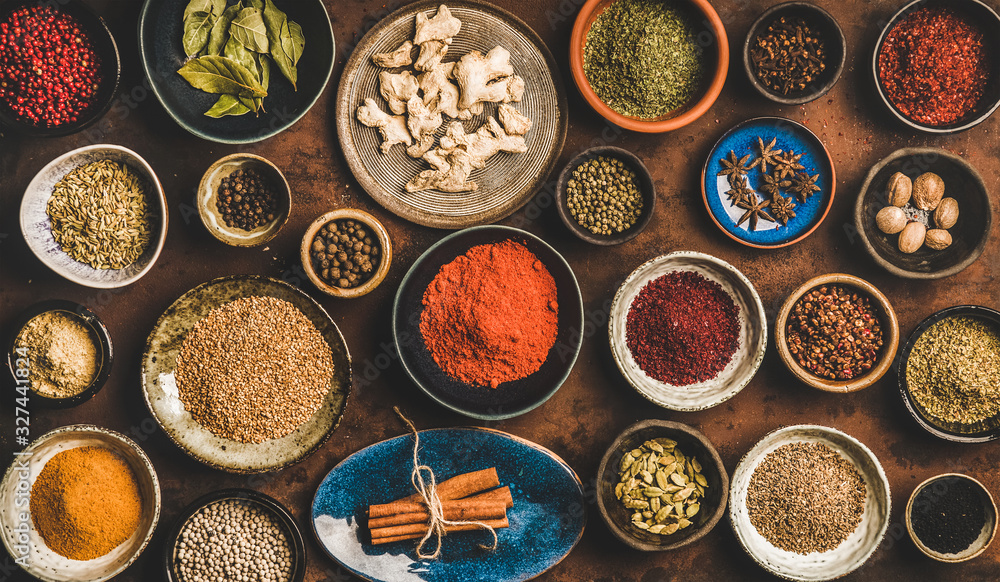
682, 328
934, 65
49, 69
834, 333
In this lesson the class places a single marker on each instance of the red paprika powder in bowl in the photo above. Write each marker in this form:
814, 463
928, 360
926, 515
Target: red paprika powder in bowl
487, 322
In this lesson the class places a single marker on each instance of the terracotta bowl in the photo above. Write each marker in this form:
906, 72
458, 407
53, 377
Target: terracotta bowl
962, 182
834, 45
716, 57
884, 312
208, 197
693, 444
939, 486
384, 260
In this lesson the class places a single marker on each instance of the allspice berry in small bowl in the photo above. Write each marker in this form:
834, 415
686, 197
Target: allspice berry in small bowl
891, 219
937, 239
346, 253
899, 190
912, 237
928, 190
946, 214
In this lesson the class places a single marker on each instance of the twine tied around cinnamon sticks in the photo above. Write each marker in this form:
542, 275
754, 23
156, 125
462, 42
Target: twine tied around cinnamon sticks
427, 489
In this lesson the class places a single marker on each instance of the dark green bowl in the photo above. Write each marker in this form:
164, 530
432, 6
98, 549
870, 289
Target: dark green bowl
160, 30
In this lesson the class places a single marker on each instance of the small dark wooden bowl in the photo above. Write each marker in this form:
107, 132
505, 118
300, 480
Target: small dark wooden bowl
940, 486
111, 69
692, 443
989, 22
645, 186
962, 182
833, 43
886, 317
986, 430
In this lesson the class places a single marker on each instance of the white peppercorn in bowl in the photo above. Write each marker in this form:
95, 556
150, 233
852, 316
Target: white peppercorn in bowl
208, 199
271, 535
815, 566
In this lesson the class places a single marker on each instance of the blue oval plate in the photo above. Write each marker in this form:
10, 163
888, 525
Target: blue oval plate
546, 521
742, 140
160, 31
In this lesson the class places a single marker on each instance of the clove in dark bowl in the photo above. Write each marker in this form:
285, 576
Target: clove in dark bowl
989, 22
834, 45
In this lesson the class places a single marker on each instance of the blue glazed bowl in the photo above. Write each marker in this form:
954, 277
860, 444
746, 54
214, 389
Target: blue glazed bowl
546, 520
160, 31
742, 140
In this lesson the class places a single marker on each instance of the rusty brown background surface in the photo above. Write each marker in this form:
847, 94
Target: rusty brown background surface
582, 419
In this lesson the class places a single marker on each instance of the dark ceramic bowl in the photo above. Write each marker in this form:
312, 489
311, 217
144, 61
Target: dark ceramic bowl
111, 68
693, 444
160, 31
939, 486
284, 517
989, 22
962, 182
645, 182
88, 318
510, 398
983, 431
833, 43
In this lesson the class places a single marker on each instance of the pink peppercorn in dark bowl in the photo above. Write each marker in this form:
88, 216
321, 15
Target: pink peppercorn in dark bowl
55, 95
837, 333
936, 64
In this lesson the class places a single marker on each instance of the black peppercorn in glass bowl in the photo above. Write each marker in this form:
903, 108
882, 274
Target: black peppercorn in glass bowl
212, 213
988, 22
974, 432
946, 504
824, 26
265, 503
20, 357
105, 48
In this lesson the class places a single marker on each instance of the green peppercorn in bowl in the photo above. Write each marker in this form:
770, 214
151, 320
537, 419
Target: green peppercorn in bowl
949, 374
244, 200
605, 195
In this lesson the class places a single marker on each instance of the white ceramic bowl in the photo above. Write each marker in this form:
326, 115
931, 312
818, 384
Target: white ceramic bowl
43, 563
37, 230
753, 333
850, 554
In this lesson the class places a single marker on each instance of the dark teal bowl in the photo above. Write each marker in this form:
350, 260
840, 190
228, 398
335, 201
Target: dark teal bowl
160, 30
510, 398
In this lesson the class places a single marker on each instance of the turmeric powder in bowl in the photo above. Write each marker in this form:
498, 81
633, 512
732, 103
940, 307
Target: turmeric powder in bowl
85, 502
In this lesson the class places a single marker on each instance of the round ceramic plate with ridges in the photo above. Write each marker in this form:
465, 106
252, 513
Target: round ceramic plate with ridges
509, 180
742, 141
546, 521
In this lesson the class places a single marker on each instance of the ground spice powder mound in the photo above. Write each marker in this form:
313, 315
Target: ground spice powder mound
85, 502
64, 354
491, 315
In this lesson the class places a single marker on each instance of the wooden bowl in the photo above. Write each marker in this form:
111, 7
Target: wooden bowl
646, 186
693, 444
962, 182
208, 198
384, 260
884, 312
716, 56
834, 44
940, 486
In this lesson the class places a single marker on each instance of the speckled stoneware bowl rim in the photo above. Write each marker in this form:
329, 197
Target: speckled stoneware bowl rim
270, 504
509, 233
93, 323
327, 72
876, 80
903, 357
757, 352
821, 149
710, 92
667, 427
155, 194
838, 40
385, 260
755, 455
239, 237
110, 89
991, 510
866, 186
101, 433
890, 328
198, 456
646, 184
